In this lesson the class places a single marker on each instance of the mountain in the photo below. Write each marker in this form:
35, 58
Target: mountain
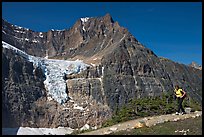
116, 68
195, 65
91, 34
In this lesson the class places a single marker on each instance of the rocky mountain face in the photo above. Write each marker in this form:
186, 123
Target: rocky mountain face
90, 34
22, 85
120, 69
195, 65
29, 100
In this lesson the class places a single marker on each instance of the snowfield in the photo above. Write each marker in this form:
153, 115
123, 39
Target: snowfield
37, 131
54, 71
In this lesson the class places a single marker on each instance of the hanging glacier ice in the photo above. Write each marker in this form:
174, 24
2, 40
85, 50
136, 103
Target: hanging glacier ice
54, 70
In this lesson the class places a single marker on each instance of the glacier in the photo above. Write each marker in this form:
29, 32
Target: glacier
54, 71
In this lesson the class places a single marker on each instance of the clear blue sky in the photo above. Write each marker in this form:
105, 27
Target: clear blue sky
171, 29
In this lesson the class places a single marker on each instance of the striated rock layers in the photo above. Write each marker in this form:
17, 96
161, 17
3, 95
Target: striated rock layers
120, 69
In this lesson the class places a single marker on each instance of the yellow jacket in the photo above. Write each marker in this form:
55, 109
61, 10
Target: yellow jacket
178, 92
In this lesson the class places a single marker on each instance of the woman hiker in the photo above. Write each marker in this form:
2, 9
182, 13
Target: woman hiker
180, 95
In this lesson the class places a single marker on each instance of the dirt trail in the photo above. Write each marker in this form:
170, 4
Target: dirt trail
147, 121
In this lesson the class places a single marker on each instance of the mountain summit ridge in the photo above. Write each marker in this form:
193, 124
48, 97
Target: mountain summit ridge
96, 34
195, 65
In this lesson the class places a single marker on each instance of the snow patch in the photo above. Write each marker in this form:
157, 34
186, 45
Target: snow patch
60, 30
102, 71
93, 64
41, 34
21, 39
85, 127
83, 28
35, 41
44, 131
46, 57
65, 108
17, 38
20, 52
84, 19
26, 39
37, 131
19, 31
113, 128
20, 27
71, 100
95, 127
77, 107
49, 98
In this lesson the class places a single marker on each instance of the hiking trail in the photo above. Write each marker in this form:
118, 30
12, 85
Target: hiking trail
141, 122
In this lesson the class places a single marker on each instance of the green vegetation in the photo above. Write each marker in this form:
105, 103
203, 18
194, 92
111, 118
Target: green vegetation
136, 108
165, 104
188, 102
192, 126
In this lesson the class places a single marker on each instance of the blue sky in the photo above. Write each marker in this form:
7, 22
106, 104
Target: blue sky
171, 29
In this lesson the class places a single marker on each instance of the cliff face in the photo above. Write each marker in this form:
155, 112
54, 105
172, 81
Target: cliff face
141, 74
195, 65
133, 71
120, 68
26, 102
22, 85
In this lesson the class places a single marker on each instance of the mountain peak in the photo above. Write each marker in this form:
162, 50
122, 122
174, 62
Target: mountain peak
107, 15
195, 65
108, 18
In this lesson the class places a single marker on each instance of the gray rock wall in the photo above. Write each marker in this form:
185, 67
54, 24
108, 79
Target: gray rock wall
21, 87
137, 72
25, 101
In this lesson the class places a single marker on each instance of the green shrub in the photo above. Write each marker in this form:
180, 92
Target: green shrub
142, 107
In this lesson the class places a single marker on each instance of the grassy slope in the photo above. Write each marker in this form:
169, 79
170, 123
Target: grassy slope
193, 124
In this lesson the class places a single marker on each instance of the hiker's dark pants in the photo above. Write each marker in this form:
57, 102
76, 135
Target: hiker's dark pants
180, 107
